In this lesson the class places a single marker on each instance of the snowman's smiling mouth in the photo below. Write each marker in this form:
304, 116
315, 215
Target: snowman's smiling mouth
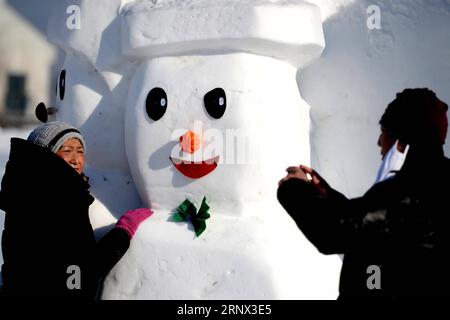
194, 169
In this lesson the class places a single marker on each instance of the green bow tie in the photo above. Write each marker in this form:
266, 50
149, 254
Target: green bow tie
188, 211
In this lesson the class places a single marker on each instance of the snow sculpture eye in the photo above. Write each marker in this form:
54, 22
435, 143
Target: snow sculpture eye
215, 103
62, 84
156, 103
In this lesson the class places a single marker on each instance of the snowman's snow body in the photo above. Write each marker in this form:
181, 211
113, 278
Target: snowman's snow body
247, 56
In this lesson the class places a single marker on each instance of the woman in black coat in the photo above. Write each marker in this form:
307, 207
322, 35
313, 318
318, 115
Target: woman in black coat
48, 243
395, 238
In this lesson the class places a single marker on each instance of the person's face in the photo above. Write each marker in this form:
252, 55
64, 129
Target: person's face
385, 142
72, 152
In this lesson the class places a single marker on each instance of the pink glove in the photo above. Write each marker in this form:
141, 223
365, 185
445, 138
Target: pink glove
131, 220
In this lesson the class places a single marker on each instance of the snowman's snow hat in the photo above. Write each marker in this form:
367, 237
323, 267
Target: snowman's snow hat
287, 30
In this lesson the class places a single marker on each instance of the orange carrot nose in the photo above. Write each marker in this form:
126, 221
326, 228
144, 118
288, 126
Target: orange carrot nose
190, 142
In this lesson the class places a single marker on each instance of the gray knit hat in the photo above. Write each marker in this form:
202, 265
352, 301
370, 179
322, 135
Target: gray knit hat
52, 135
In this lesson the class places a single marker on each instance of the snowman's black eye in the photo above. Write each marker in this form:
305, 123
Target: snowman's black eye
215, 103
156, 103
62, 84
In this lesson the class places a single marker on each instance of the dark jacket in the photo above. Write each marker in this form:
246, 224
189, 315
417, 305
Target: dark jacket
400, 226
47, 228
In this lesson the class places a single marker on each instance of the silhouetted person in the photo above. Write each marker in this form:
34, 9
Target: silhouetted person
395, 238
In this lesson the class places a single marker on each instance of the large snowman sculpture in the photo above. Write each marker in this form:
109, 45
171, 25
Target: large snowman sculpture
212, 117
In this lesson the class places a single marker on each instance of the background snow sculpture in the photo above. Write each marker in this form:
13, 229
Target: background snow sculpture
245, 54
